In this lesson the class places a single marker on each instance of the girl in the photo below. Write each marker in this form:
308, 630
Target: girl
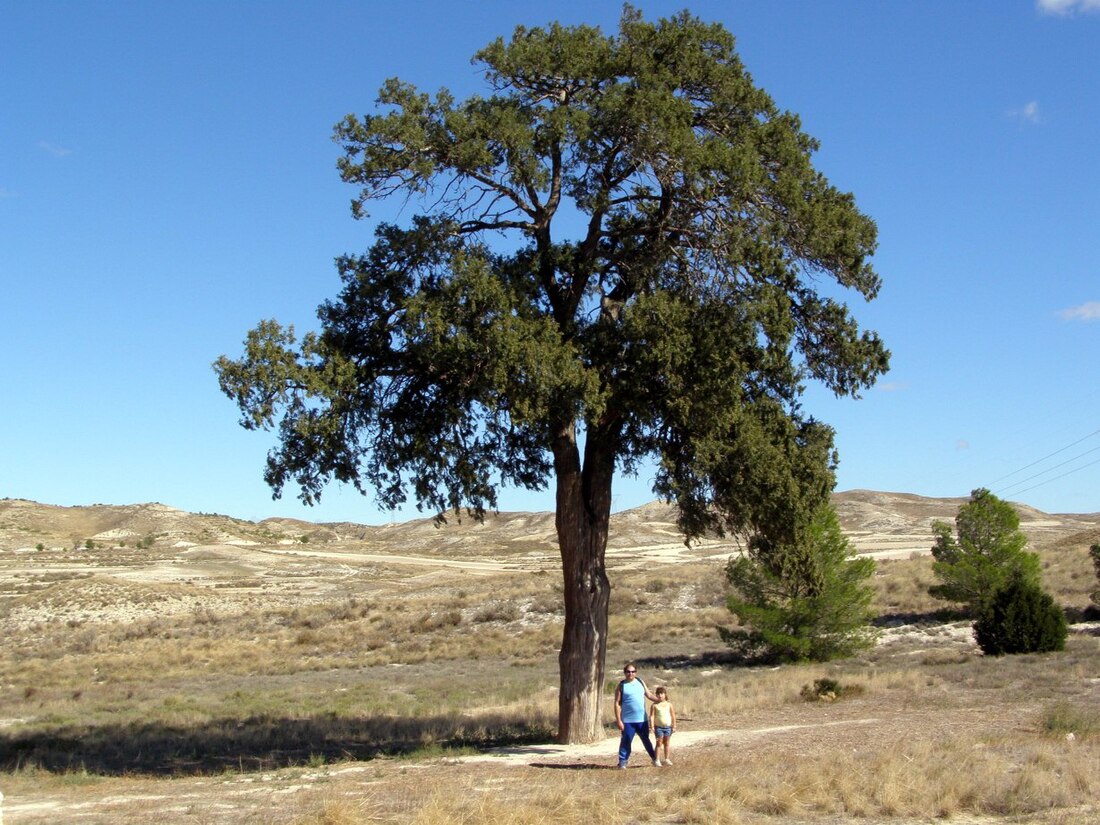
662, 716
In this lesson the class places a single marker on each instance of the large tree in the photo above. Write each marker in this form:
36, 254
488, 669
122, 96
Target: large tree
617, 258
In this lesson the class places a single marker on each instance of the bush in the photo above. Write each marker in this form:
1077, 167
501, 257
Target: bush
1020, 618
498, 612
828, 690
437, 621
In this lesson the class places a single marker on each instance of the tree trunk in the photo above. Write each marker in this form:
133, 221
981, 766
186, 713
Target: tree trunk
582, 518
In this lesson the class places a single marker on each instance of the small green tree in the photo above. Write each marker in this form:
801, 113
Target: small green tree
988, 553
804, 600
1020, 618
1094, 552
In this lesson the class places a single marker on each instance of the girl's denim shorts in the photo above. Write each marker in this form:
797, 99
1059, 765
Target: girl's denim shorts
661, 732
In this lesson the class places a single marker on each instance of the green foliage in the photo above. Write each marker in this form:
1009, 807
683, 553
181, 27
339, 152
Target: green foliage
679, 323
807, 600
1020, 618
988, 553
662, 283
1094, 553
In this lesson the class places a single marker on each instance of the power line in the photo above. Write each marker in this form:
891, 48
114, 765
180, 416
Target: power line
1044, 458
1063, 475
1048, 470
1007, 448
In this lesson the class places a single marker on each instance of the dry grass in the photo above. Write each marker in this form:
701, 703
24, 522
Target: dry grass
406, 673
901, 587
911, 778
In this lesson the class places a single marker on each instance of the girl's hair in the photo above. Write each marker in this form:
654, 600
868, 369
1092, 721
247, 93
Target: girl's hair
659, 691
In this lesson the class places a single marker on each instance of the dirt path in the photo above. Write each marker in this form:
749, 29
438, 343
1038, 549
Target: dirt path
121, 800
606, 750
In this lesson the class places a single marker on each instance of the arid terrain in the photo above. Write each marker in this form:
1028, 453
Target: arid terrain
164, 666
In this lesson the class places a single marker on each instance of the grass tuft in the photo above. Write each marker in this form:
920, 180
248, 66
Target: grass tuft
1064, 719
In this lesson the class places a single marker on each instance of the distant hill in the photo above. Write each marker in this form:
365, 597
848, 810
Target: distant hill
890, 524
881, 522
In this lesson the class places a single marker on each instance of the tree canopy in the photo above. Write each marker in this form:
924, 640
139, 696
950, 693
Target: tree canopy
618, 255
989, 552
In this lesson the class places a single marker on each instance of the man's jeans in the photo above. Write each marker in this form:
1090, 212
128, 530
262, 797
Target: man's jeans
630, 729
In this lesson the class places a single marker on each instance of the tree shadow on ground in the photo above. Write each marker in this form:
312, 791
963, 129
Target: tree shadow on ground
1079, 615
257, 743
948, 615
573, 766
697, 661
921, 618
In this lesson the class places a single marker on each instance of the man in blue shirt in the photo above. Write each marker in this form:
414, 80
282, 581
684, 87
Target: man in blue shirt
630, 699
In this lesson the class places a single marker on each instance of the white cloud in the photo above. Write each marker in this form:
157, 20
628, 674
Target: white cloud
1089, 311
962, 444
892, 386
1064, 8
1029, 112
54, 149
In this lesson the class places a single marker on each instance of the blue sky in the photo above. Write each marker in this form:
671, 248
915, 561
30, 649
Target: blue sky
167, 180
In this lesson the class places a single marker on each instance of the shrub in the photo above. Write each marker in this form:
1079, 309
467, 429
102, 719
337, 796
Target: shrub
1020, 618
498, 612
437, 621
828, 690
